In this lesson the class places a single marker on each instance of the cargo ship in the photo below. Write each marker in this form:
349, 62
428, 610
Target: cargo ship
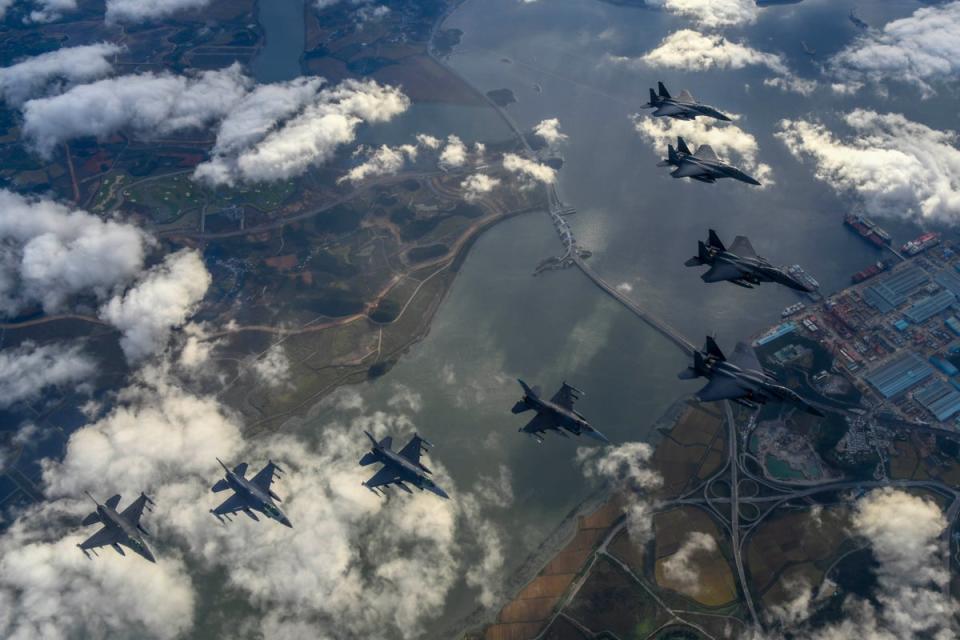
792, 309
921, 244
798, 272
868, 229
874, 269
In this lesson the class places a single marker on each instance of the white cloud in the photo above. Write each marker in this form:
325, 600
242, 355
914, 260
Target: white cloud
273, 367
382, 161
55, 70
48, 10
681, 569
49, 252
147, 103
164, 298
549, 130
527, 169
694, 51
427, 141
134, 11
477, 185
922, 47
726, 139
625, 466
26, 370
897, 167
454, 153
711, 13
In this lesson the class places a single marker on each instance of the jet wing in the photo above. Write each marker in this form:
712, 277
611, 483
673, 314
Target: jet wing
231, 505
265, 476
538, 424
413, 449
742, 247
102, 538
669, 110
720, 389
566, 396
706, 152
722, 272
133, 512
689, 170
387, 475
745, 357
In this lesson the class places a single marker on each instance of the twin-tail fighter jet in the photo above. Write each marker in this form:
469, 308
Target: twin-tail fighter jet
682, 107
399, 467
704, 165
249, 495
120, 529
556, 414
740, 264
741, 379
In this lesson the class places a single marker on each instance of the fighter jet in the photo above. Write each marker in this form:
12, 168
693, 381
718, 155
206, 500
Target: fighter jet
249, 495
683, 107
741, 379
704, 165
740, 264
399, 467
556, 414
121, 528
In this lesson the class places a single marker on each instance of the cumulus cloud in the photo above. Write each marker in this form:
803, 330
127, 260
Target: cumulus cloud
49, 252
529, 170
313, 136
918, 49
146, 103
895, 166
56, 70
711, 13
454, 153
354, 565
47, 10
728, 140
626, 467
477, 185
273, 367
680, 568
26, 370
549, 130
135, 11
164, 298
382, 161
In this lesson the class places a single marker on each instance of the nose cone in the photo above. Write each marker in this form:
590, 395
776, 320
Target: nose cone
596, 435
440, 492
750, 180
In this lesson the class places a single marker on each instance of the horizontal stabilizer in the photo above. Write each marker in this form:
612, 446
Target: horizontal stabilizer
367, 459
113, 501
241, 469
93, 518
220, 485
520, 407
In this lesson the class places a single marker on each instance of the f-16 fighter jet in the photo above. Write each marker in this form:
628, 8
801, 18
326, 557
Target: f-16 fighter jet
556, 414
704, 165
249, 495
683, 107
741, 379
121, 528
740, 264
399, 467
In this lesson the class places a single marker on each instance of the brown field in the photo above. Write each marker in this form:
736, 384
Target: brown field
692, 450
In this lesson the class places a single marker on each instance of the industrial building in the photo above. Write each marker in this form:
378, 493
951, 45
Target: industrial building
894, 290
940, 399
925, 308
900, 374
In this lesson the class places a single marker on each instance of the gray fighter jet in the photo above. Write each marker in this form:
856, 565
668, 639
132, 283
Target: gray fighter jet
555, 414
741, 379
704, 165
683, 107
739, 264
399, 467
121, 528
249, 495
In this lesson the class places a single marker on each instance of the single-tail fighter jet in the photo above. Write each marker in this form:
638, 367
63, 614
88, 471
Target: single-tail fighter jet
683, 107
249, 495
741, 379
119, 528
740, 264
555, 414
704, 165
399, 467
